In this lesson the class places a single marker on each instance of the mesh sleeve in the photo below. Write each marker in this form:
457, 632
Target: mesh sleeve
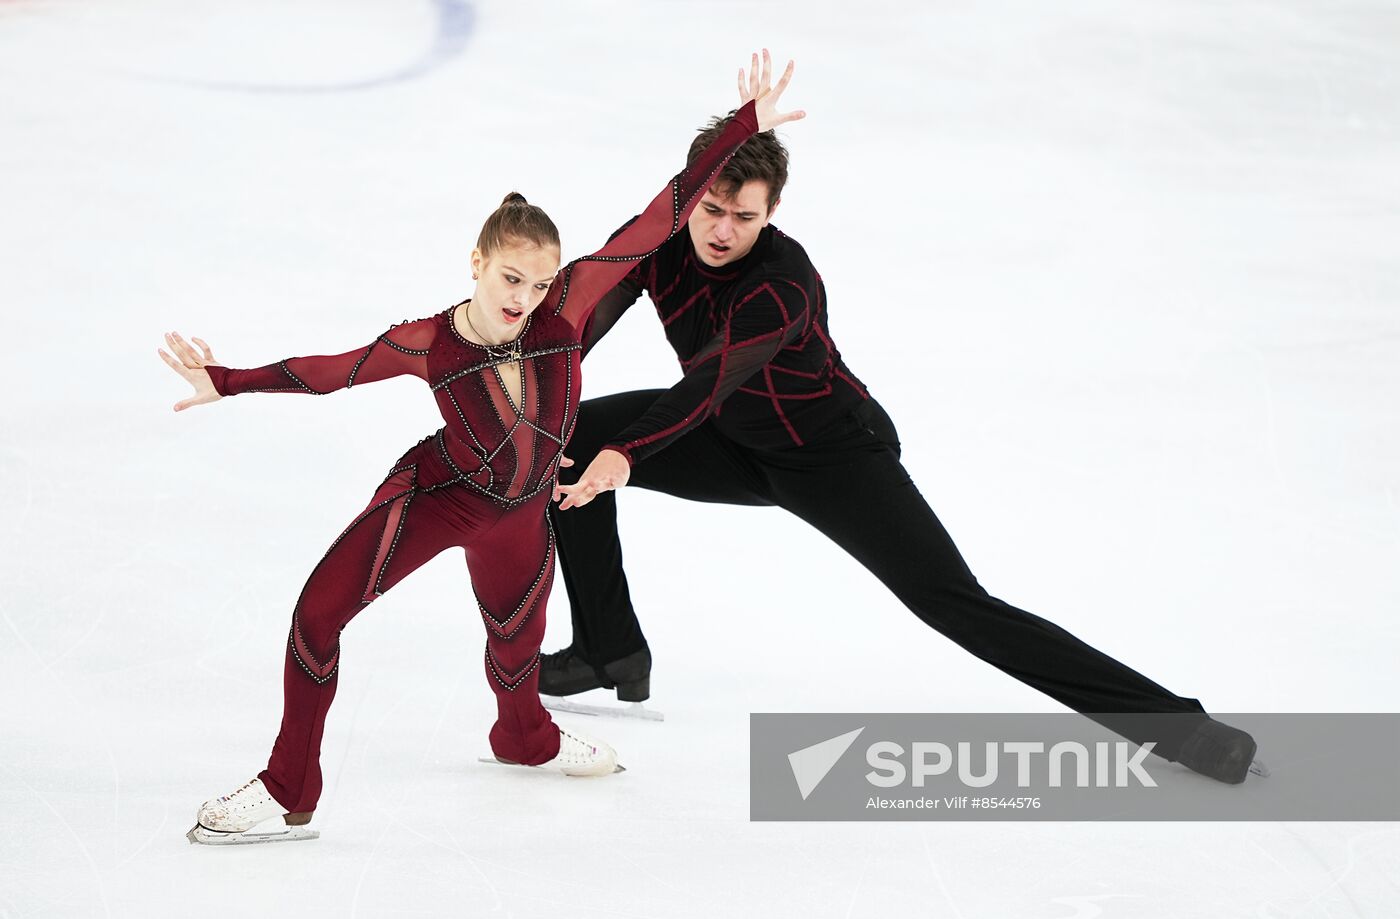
583, 282
610, 308
403, 349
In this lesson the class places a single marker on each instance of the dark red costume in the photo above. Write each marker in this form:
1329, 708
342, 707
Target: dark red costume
481, 483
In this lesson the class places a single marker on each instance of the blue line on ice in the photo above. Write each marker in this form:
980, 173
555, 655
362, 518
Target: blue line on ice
455, 21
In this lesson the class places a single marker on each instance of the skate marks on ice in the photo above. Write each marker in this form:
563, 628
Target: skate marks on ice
1347, 890
1276, 870
1087, 907
70, 831
634, 710
454, 25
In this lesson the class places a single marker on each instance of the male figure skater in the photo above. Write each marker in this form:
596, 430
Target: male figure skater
767, 413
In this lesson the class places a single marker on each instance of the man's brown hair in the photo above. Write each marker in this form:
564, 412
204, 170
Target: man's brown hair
762, 156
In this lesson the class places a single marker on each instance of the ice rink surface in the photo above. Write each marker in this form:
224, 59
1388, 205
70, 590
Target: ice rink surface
1124, 274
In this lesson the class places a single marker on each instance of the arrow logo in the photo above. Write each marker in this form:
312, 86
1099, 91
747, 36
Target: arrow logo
811, 764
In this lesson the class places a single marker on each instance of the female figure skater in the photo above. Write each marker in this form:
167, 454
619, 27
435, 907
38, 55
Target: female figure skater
503, 367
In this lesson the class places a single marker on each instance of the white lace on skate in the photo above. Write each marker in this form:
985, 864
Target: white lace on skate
249, 814
239, 810
582, 755
578, 754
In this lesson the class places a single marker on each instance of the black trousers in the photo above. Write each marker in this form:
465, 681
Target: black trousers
851, 486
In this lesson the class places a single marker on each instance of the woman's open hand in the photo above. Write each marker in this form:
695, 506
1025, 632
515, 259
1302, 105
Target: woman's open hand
190, 364
756, 85
609, 471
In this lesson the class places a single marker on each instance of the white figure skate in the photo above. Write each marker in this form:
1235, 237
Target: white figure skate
578, 754
248, 815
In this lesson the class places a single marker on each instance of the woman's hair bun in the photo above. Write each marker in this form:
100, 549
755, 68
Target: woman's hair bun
517, 222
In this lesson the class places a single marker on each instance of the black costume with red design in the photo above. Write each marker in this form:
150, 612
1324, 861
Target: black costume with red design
766, 413
752, 340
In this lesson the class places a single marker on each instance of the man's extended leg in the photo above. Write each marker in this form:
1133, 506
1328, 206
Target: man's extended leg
702, 466
854, 489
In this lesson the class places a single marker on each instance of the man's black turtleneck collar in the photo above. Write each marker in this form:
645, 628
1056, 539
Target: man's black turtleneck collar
731, 270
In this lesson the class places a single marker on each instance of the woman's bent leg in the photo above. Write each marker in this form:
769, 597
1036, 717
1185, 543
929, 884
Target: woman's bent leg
399, 531
512, 570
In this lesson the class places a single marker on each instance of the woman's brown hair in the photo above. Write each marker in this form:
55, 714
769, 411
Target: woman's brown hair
517, 221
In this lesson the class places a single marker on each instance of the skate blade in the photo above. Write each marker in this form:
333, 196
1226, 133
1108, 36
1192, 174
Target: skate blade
1258, 768
272, 832
493, 761
633, 709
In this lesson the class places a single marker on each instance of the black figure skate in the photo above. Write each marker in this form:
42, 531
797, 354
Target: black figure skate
1221, 752
567, 673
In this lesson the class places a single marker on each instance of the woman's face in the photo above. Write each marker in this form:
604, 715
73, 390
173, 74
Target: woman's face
511, 282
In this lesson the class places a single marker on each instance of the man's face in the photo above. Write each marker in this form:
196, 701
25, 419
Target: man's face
724, 228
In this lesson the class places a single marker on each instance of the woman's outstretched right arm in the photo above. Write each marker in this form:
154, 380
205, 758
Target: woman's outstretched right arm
403, 349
